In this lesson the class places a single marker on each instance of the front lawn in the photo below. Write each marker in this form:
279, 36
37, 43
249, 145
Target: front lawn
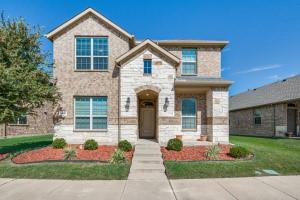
279, 154
53, 170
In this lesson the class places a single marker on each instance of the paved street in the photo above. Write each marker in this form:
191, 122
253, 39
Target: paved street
276, 187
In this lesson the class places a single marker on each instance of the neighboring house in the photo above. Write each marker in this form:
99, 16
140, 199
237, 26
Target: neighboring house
114, 87
40, 123
270, 110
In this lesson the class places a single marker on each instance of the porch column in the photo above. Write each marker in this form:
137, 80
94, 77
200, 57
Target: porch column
217, 115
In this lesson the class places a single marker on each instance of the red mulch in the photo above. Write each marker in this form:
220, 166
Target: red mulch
3, 156
194, 153
103, 153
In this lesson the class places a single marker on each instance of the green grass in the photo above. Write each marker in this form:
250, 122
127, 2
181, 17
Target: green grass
54, 170
279, 154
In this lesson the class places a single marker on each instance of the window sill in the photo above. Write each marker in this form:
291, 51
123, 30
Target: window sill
88, 130
76, 70
147, 74
18, 124
189, 74
188, 130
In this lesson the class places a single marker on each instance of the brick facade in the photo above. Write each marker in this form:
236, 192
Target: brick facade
124, 82
40, 123
273, 120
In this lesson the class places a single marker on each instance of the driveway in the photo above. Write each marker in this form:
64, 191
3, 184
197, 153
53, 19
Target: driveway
276, 187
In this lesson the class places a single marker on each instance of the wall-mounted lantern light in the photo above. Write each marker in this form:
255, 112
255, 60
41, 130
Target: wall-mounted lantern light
166, 105
127, 104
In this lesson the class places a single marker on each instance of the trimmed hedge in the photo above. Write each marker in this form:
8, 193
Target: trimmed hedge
90, 145
174, 144
124, 145
239, 152
59, 143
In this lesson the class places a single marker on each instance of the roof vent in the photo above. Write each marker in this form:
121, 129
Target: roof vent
283, 80
254, 89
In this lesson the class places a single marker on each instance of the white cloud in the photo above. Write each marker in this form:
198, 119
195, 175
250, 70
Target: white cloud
274, 77
260, 68
225, 69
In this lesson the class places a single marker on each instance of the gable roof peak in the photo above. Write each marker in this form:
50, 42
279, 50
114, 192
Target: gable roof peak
74, 19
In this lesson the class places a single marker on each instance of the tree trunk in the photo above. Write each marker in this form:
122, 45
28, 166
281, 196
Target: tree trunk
5, 129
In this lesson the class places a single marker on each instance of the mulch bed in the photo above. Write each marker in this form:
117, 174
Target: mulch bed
3, 156
194, 153
103, 153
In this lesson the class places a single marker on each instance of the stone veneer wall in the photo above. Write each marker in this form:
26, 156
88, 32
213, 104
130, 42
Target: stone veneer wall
208, 60
132, 78
217, 115
242, 121
41, 123
87, 83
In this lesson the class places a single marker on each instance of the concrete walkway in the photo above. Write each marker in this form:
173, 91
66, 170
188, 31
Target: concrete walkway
276, 187
147, 174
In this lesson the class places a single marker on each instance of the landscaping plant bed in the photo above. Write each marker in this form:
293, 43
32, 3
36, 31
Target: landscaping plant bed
103, 153
194, 153
3, 156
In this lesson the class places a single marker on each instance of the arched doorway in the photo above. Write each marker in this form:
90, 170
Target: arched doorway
147, 114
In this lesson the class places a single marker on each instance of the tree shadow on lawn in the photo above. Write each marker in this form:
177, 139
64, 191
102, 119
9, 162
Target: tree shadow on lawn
16, 148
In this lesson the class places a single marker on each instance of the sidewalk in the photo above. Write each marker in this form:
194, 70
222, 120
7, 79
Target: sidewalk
276, 187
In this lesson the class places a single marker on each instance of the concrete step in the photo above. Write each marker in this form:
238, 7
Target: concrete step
158, 155
148, 151
149, 161
132, 170
147, 176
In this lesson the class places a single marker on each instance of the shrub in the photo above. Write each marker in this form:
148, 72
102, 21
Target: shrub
174, 144
117, 157
59, 143
124, 145
90, 145
212, 152
69, 153
239, 152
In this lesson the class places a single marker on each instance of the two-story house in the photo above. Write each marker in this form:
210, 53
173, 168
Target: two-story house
114, 87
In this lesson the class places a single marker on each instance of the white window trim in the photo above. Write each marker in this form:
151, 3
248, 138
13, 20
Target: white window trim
92, 53
90, 115
196, 61
195, 116
18, 122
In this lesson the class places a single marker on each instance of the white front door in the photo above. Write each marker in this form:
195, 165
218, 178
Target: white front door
147, 124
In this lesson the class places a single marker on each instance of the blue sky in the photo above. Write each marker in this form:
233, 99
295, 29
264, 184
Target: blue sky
264, 35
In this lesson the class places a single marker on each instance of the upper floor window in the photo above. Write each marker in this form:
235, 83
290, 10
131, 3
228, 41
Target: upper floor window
189, 61
91, 53
257, 117
90, 113
147, 66
188, 113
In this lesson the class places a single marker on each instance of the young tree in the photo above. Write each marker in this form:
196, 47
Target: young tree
23, 86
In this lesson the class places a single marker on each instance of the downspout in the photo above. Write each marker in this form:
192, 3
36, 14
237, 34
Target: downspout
274, 120
119, 85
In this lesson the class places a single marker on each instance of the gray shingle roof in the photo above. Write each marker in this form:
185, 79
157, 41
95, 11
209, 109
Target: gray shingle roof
284, 90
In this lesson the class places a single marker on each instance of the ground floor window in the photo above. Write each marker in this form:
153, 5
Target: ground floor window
189, 111
90, 113
22, 120
257, 117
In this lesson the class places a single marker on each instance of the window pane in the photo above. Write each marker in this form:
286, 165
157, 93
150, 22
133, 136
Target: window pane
83, 63
100, 106
188, 122
83, 46
82, 106
100, 46
22, 119
100, 63
147, 66
188, 107
188, 68
99, 122
189, 55
82, 122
